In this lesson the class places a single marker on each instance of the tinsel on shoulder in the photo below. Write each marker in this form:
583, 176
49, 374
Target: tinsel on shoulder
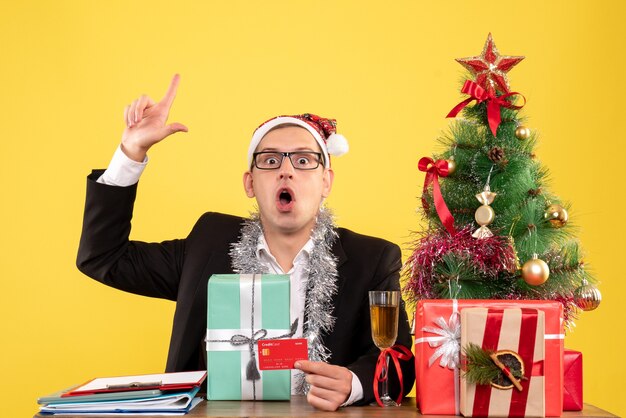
511, 238
321, 282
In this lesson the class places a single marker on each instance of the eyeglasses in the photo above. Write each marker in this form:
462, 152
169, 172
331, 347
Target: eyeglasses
300, 160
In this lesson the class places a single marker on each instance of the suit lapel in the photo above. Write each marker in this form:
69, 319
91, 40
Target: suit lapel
339, 252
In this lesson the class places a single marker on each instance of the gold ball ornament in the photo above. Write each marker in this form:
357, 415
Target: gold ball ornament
587, 297
451, 165
535, 271
557, 215
522, 132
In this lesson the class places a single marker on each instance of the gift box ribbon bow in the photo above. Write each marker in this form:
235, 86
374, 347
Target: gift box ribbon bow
252, 372
447, 341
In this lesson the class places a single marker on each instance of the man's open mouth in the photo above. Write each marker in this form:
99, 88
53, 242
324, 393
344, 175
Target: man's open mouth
285, 199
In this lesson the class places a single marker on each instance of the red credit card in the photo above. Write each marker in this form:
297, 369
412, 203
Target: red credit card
282, 354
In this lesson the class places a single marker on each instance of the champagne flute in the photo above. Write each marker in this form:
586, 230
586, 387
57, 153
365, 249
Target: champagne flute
384, 305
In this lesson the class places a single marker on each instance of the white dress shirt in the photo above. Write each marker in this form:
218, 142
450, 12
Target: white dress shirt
123, 172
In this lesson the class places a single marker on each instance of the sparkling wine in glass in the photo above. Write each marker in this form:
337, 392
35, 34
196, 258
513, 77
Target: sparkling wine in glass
384, 305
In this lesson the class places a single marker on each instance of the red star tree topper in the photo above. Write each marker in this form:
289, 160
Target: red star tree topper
490, 67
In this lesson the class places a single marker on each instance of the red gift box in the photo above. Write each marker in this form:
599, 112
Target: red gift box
437, 335
572, 380
518, 330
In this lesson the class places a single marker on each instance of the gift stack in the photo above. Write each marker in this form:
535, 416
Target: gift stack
242, 310
496, 239
445, 328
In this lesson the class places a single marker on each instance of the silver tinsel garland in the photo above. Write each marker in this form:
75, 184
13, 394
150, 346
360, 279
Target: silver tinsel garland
321, 282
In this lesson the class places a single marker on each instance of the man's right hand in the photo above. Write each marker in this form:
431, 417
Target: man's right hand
145, 123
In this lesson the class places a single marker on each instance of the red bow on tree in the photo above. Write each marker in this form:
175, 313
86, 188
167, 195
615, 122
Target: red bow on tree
494, 103
433, 170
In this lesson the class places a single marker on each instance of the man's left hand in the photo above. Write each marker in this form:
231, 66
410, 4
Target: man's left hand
330, 385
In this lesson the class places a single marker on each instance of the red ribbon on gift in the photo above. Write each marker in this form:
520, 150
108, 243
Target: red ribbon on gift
537, 369
494, 103
433, 170
526, 350
397, 353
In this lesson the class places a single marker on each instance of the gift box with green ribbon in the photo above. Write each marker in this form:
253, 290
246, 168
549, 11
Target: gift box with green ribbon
243, 309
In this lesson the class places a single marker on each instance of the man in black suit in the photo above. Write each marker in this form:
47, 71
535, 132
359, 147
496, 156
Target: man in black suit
331, 269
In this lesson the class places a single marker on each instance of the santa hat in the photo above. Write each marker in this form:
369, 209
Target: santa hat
323, 130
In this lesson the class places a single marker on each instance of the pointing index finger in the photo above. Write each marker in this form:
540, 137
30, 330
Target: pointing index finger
168, 99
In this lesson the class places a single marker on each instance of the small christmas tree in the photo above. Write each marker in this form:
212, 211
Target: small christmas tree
489, 210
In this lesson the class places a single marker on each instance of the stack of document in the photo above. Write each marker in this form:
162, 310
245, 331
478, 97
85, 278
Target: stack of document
162, 394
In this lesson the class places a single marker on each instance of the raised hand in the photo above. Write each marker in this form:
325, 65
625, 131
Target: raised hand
146, 123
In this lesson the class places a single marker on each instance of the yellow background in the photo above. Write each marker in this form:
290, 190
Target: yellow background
385, 70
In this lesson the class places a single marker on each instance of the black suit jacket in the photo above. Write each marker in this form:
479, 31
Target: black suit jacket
179, 270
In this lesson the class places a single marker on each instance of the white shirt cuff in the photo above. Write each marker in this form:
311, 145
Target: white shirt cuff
357, 391
122, 171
